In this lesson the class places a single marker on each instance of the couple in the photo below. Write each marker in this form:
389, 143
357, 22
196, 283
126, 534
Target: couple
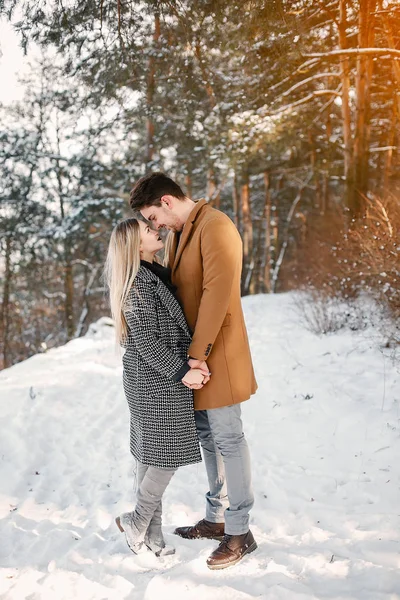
186, 347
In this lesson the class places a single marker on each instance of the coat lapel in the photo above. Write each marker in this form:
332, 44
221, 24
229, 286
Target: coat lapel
185, 234
172, 305
166, 297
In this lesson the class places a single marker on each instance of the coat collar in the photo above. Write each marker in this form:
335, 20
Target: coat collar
166, 297
177, 249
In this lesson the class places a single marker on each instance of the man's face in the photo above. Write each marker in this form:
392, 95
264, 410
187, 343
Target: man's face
162, 217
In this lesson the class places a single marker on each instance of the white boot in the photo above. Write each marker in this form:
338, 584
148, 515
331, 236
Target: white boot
134, 538
158, 546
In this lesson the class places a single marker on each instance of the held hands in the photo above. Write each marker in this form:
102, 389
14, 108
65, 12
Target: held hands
193, 379
202, 366
198, 375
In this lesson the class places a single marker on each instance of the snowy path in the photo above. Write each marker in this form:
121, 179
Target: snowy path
324, 432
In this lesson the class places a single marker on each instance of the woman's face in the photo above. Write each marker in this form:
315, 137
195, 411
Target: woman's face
150, 240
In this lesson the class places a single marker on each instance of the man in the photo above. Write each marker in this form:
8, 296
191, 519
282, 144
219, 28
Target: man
206, 262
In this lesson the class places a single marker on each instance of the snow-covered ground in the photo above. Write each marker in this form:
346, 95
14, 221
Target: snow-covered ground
324, 433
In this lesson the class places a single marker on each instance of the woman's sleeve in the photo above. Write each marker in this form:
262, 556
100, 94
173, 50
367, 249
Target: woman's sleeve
140, 314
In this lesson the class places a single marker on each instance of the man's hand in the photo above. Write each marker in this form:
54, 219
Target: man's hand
193, 379
202, 366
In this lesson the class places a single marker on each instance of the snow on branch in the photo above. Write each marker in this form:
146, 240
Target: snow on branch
305, 81
356, 51
306, 66
383, 149
310, 96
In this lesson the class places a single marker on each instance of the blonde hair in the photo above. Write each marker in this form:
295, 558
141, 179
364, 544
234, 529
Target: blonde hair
120, 270
168, 247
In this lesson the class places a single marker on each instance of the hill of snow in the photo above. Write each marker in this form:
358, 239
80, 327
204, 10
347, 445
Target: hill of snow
324, 433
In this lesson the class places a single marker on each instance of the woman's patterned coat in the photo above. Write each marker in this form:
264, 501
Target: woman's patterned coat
162, 426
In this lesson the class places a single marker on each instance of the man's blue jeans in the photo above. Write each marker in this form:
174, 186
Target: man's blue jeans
227, 460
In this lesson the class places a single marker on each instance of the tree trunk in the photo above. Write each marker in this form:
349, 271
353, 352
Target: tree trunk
256, 280
370, 70
188, 185
396, 100
69, 292
278, 264
313, 164
391, 44
387, 170
248, 264
266, 264
213, 193
325, 194
346, 114
363, 84
247, 222
150, 93
5, 307
89, 280
275, 232
235, 203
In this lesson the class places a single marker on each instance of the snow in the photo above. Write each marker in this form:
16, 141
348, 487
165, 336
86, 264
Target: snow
323, 430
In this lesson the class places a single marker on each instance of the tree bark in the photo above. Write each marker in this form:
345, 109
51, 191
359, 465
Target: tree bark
387, 169
278, 264
363, 84
67, 257
346, 114
247, 222
150, 93
213, 193
5, 307
235, 203
69, 291
247, 236
266, 264
392, 44
188, 185
325, 194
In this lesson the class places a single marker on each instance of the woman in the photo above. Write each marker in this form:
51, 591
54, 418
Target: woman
157, 379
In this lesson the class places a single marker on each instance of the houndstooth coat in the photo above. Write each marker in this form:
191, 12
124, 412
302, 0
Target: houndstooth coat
162, 426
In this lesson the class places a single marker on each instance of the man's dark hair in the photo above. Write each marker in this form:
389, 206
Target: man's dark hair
149, 190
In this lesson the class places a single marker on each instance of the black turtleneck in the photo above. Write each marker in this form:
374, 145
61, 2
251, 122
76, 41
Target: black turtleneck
163, 273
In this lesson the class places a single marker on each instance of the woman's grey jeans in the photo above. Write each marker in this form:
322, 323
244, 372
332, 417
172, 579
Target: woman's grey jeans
227, 460
151, 485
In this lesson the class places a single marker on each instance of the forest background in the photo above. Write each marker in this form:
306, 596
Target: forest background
285, 115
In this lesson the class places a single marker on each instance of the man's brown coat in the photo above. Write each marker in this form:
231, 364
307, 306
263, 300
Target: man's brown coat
206, 265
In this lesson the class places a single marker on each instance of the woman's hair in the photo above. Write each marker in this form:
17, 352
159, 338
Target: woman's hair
169, 240
120, 270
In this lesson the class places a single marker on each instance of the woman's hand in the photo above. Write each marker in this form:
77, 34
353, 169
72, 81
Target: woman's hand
193, 379
202, 366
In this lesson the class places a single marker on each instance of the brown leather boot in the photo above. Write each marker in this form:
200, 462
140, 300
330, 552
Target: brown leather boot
202, 529
231, 550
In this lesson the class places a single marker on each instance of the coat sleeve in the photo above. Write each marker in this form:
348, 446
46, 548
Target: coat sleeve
221, 251
141, 316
